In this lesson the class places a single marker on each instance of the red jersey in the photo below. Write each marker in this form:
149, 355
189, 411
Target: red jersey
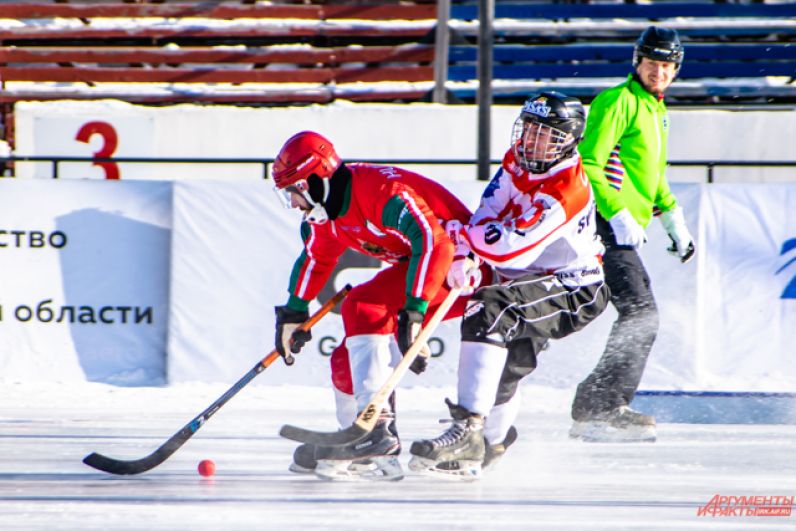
389, 213
538, 223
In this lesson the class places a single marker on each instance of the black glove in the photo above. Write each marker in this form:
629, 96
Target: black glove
686, 255
289, 339
410, 322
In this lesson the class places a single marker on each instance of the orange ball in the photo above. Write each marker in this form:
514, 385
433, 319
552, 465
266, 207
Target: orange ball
207, 468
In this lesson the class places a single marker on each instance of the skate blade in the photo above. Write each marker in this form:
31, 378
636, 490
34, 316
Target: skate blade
383, 468
604, 432
466, 470
298, 469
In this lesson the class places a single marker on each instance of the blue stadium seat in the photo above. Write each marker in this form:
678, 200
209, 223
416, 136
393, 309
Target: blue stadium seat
732, 51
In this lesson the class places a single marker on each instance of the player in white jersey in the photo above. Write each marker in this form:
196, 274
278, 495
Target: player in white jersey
535, 226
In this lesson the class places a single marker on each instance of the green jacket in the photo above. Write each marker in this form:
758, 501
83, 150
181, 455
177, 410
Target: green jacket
624, 152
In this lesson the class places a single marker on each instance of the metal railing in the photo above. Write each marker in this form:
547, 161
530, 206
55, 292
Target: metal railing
56, 161
711, 165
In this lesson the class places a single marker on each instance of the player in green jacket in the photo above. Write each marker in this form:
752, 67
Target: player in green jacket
624, 156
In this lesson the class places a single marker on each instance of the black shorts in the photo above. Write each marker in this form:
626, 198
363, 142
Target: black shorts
537, 307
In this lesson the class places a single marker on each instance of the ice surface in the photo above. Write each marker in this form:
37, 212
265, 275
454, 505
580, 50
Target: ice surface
546, 481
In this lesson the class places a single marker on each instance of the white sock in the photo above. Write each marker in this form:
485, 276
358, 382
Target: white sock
480, 367
500, 419
345, 407
369, 356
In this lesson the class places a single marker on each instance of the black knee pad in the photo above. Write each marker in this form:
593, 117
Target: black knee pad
476, 324
479, 319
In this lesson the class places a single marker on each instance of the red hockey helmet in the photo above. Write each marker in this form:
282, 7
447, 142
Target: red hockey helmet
304, 154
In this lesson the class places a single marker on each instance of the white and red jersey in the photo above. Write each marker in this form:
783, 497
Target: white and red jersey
538, 223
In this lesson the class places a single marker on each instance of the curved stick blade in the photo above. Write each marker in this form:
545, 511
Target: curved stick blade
349, 435
122, 467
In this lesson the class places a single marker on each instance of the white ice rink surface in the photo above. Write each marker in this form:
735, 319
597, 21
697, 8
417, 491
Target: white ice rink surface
546, 481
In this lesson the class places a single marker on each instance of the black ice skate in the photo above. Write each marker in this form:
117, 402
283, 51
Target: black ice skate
455, 454
622, 424
304, 459
494, 452
374, 457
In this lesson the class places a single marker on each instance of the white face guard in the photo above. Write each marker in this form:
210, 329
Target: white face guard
317, 214
284, 197
538, 146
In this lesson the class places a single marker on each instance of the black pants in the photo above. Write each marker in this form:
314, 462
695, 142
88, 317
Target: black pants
615, 379
523, 314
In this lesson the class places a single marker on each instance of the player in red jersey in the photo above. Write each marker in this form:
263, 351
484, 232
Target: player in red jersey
535, 225
396, 216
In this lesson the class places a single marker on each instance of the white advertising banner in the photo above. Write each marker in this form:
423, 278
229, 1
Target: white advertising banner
233, 246
747, 288
97, 273
84, 289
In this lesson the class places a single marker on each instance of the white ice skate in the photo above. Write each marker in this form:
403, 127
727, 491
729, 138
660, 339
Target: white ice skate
382, 468
622, 424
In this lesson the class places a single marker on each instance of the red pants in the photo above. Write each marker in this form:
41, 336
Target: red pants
372, 308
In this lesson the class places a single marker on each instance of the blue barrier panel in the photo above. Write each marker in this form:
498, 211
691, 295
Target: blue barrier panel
714, 407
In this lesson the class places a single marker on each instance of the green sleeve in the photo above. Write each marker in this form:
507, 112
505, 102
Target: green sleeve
299, 305
296, 303
608, 117
314, 266
397, 215
664, 198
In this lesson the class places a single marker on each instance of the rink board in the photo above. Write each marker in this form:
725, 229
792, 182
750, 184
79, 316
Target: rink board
713, 407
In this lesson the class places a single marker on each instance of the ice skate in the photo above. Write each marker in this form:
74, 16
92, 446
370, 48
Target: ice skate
494, 452
374, 457
304, 462
622, 424
457, 453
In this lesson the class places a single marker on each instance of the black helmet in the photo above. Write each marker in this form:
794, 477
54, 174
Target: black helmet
659, 44
563, 114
